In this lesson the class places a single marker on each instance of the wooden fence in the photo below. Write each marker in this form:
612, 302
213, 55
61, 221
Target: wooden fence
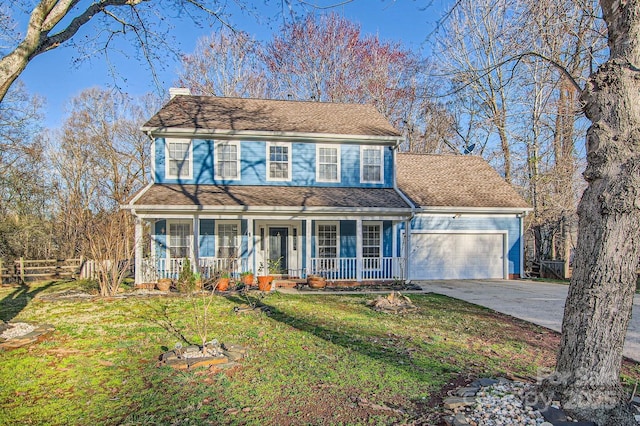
25, 270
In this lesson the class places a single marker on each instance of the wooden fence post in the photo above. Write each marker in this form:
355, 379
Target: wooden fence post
56, 273
22, 269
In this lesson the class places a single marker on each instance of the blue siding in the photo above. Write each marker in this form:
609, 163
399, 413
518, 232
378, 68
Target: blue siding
160, 160
253, 165
387, 238
478, 223
303, 164
348, 238
202, 161
160, 239
207, 241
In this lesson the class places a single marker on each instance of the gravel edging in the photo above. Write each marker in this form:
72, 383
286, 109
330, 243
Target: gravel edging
27, 334
502, 402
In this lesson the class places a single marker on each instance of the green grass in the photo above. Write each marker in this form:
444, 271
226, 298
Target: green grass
311, 359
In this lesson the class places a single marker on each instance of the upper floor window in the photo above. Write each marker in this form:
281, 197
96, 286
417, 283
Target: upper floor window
227, 160
179, 158
278, 161
327, 163
371, 164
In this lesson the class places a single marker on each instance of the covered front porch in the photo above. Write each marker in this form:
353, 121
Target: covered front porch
339, 248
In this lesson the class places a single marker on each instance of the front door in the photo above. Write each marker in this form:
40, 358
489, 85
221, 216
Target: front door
278, 247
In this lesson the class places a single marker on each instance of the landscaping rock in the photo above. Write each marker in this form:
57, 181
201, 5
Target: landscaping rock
489, 402
454, 402
467, 391
394, 303
17, 335
553, 415
193, 357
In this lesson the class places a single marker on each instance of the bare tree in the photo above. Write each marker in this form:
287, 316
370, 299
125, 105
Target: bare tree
479, 35
23, 183
110, 247
226, 63
100, 159
145, 24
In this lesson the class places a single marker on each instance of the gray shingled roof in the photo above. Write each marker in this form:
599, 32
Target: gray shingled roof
261, 196
236, 114
454, 181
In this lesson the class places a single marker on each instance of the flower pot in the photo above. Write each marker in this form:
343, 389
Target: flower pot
314, 281
223, 284
264, 282
247, 279
163, 284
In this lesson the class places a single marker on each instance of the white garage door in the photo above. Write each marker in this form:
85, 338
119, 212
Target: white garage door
456, 256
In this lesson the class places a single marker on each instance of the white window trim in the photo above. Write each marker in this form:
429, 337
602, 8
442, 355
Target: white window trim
337, 148
378, 148
268, 158
216, 245
168, 237
317, 247
216, 174
380, 224
168, 141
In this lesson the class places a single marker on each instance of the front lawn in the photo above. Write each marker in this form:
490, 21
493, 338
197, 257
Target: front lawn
313, 359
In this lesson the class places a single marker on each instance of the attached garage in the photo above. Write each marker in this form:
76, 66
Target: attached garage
458, 255
467, 223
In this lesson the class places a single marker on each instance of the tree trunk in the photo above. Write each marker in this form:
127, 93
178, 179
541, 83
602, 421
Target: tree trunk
599, 303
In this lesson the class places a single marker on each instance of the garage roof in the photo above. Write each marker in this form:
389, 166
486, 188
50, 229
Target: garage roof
431, 180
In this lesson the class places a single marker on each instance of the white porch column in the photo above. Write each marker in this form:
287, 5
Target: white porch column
138, 252
309, 236
251, 245
359, 249
407, 248
196, 243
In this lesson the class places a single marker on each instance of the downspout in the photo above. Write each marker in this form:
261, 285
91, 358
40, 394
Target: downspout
522, 260
153, 156
407, 230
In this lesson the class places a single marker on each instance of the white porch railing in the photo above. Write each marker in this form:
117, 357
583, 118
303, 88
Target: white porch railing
352, 268
213, 266
155, 269
349, 268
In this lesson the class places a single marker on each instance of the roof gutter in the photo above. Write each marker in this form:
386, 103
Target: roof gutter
262, 135
454, 209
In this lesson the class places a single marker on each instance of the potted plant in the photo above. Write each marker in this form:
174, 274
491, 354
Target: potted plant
272, 267
264, 280
164, 284
246, 277
223, 282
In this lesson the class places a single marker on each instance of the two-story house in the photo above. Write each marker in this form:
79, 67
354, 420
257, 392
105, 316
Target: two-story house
321, 187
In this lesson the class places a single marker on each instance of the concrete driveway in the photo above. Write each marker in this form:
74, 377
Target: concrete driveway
539, 303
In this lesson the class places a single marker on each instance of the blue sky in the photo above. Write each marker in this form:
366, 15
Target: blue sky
56, 77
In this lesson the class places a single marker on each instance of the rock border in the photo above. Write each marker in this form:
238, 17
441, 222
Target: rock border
41, 332
227, 357
501, 401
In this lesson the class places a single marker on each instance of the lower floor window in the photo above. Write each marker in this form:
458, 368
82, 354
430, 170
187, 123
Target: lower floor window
371, 245
227, 240
179, 240
327, 240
